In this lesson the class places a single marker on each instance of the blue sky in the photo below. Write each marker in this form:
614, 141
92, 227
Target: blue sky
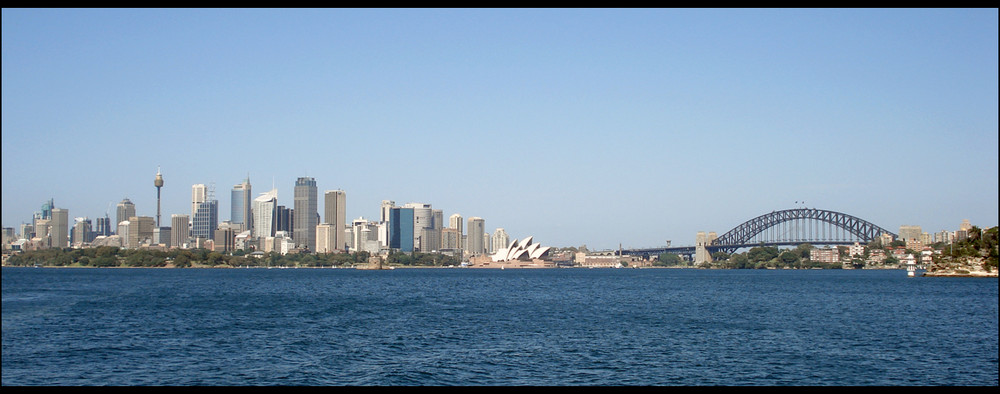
576, 126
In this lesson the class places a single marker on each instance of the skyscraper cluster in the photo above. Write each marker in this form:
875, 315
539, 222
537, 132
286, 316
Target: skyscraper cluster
259, 223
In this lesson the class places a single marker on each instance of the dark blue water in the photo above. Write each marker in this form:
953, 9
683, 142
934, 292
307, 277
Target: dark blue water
493, 327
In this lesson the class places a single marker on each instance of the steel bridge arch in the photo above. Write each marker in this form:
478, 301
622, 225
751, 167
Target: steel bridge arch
741, 235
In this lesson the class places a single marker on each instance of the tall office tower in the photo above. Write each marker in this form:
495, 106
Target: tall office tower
335, 213
199, 194
122, 232
401, 229
103, 227
158, 182
82, 232
161, 236
306, 213
449, 238
907, 233
285, 221
126, 209
488, 243
423, 227
265, 214
26, 230
60, 228
242, 206
455, 222
206, 220
326, 239
384, 212
47, 209
179, 231
500, 240
140, 230
476, 229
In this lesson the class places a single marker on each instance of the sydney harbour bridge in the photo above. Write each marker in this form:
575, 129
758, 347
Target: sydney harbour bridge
790, 227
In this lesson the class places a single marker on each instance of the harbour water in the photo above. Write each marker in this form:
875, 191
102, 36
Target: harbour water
496, 327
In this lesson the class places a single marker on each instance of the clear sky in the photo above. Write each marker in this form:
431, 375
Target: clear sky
576, 126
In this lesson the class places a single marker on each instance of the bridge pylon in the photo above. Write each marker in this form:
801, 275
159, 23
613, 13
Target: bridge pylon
701, 241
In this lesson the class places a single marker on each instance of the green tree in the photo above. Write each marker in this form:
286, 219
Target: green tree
668, 260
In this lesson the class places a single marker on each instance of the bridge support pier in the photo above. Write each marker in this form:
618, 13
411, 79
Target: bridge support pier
701, 254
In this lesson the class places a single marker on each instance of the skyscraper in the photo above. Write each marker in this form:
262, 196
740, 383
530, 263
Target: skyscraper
179, 231
199, 194
477, 229
265, 214
384, 212
423, 225
125, 210
401, 229
241, 207
59, 228
140, 230
325, 238
82, 232
335, 213
455, 222
104, 227
306, 213
500, 240
206, 220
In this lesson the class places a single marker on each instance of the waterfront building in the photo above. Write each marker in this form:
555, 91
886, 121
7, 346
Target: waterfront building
265, 214
306, 213
125, 210
199, 194
179, 230
206, 220
335, 214
401, 229
488, 243
476, 231
824, 255
59, 230
856, 250
241, 207
886, 239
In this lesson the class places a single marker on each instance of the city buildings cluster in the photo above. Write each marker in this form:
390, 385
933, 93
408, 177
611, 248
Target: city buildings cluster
260, 224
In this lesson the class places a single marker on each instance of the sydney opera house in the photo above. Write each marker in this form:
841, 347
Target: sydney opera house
523, 254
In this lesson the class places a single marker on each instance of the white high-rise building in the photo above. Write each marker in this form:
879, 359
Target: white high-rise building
199, 194
500, 240
477, 230
387, 205
326, 238
455, 222
265, 211
335, 213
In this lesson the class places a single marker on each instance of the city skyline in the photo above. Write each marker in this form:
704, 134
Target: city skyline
593, 127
